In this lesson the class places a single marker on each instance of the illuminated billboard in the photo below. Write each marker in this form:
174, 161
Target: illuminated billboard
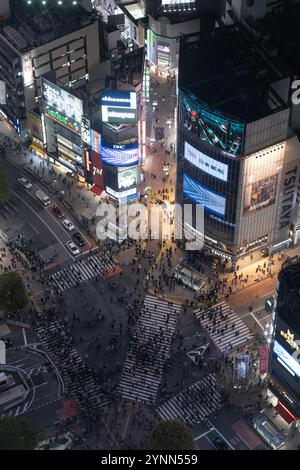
95, 141
215, 129
127, 177
62, 106
121, 194
205, 163
200, 194
28, 77
260, 194
120, 154
286, 359
119, 107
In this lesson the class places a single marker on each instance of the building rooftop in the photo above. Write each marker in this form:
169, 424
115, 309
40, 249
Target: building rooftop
31, 26
284, 30
234, 75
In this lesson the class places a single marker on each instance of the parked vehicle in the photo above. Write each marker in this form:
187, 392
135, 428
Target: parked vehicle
43, 198
68, 225
58, 212
25, 183
78, 239
72, 248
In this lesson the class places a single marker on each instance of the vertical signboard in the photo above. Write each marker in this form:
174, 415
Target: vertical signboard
85, 130
27, 68
263, 359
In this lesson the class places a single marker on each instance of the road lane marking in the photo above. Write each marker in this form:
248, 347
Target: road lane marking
44, 222
204, 434
256, 320
24, 336
33, 228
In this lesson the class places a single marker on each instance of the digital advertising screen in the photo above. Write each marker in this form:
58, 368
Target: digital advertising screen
260, 194
119, 107
212, 128
127, 177
95, 141
200, 194
120, 154
205, 163
62, 106
121, 194
286, 359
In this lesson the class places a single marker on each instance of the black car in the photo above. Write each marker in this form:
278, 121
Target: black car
78, 239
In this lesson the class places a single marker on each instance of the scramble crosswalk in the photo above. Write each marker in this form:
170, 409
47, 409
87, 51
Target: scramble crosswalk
193, 404
79, 272
225, 328
78, 379
149, 348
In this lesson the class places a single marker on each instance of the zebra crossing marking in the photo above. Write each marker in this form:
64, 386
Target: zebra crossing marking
79, 272
148, 350
225, 327
193, 404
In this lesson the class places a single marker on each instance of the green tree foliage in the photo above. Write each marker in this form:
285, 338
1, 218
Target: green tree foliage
171, 435
13, 294
5, 191
17, 434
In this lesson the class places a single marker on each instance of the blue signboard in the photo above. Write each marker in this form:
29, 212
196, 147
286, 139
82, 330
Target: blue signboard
120, 154
203, 196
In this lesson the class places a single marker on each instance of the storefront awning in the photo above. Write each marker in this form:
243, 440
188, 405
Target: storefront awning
37, 149
285, 413
97, 190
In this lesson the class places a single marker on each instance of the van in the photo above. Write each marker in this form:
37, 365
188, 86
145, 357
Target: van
43, 198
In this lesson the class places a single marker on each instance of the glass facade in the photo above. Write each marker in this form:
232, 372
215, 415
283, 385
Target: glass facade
206, 172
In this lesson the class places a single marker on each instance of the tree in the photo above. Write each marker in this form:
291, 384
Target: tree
13, 294
171, 435
17, 434
5, 191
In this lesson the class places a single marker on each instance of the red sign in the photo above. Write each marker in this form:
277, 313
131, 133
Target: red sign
263, 359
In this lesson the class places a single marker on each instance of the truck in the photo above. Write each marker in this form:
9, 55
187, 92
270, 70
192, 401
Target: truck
42, 197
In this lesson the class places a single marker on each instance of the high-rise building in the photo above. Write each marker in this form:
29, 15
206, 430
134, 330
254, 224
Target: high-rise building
36, 39
235, 153
284, 362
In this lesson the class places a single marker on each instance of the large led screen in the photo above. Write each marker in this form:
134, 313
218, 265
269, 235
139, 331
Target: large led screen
127, 177
260, 194
212, 128
95, 141
205, 163
200, 194
120, 154
62, 106
118, 107
286, 360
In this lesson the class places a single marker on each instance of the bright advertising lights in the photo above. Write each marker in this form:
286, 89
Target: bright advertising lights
200, 194
120, 154
119, 107
61, 106
205, 163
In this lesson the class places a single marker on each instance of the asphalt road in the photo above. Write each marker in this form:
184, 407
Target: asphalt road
39, 222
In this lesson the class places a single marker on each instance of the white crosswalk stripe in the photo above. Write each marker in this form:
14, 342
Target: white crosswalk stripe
149, 348
194, 403
81, 271
79, 380
225, 328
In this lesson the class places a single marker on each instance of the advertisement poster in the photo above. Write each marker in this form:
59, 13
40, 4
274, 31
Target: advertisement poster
27, 68
212, 128
119, 107
62, 106
263, 359
205, 163
95, 141
200, 194
127, 177
260, 194
120, 154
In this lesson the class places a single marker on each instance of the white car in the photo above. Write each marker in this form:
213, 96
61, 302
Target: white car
68, 225
73, 248
24, 182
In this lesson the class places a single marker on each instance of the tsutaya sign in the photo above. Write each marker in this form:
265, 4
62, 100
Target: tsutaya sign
290, 339
288, 198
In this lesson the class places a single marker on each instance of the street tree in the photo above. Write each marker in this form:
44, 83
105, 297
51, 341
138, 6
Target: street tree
5, 191
171, 435
18, 434
13, 294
